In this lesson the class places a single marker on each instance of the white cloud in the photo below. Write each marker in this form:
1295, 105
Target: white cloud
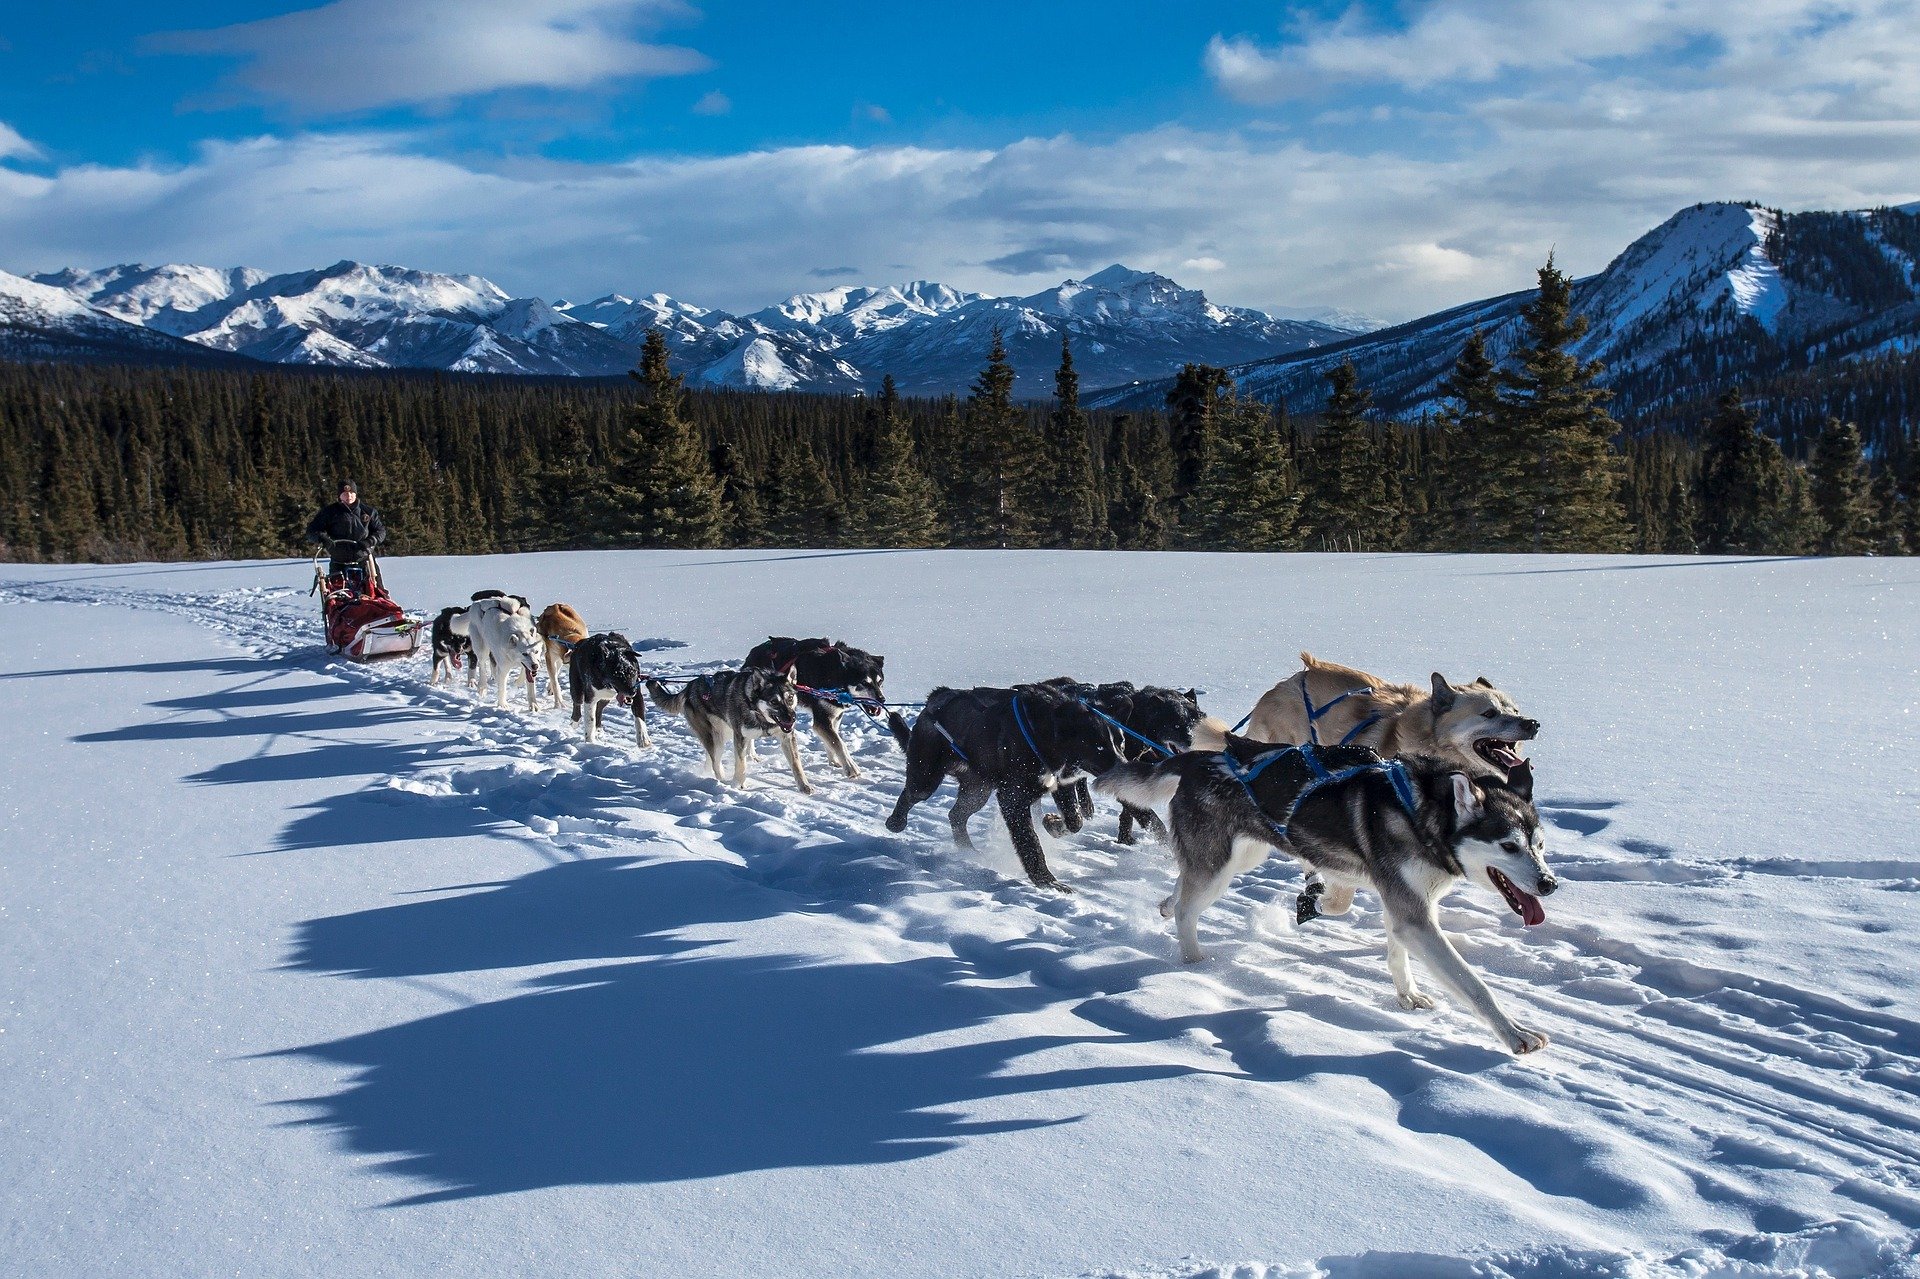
714, 103
1393, 235
1203, 264
15, 147
351, 55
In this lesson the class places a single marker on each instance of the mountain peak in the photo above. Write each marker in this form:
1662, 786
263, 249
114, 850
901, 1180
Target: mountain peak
1120, 277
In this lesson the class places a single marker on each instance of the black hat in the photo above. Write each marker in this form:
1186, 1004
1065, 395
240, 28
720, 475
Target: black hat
346, 484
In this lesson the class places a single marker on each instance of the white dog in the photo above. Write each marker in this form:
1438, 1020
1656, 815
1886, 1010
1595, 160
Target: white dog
502, 634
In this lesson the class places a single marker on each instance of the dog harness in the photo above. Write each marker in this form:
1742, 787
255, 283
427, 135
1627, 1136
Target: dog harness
1314, 714
1164, 749
1020, 721
1319, 777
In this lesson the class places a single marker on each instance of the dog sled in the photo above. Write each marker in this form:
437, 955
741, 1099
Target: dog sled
361, 620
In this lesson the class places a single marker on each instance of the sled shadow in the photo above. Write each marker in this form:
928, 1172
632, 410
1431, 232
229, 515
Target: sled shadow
672, 1062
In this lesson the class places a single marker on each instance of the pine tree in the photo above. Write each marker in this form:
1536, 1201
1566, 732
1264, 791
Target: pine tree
1072, 512
1551, 406
1195, 406
744, 517
1006, 457
661, 491
1470, 462
902, 507
1246, 499
1346, 500
1839, 490
805, 510
1741, 486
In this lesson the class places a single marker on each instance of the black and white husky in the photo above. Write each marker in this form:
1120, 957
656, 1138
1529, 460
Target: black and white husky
745, 705
601, 669
1410, 839
831, 666
450, 644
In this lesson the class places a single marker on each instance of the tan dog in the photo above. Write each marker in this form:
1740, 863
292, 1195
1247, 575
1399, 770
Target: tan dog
560, 628
1474, 727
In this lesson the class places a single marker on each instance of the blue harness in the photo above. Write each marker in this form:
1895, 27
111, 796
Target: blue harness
1395, 772
1314, 714
1138, 737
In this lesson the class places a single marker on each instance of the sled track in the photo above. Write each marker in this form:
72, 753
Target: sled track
1783, 1091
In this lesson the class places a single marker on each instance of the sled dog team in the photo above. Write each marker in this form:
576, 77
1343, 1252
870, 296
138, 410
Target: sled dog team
1403, 789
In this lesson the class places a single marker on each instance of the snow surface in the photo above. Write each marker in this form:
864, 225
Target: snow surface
311, 969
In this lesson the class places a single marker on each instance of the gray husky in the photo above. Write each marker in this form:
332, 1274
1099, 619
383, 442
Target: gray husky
744, 705
1345, 814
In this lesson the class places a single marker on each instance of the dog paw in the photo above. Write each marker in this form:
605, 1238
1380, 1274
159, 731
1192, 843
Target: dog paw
852, 773
1166, 909
1192, 956
1124, 839
1307, 905
806, 788
1055, 824
1414, 1001
896, 824
1523, 1041
1053, 886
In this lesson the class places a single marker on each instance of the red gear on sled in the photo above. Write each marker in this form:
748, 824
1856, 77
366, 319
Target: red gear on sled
361, 619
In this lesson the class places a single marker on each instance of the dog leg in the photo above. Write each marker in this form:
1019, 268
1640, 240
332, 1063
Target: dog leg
1403, 981
790, 744
713, 736
553, 671
1307, 905
739, 759
642, 738
826, 726
533, 703
926, 769
1016, 809
1422, 936
974, 795
1197, 891
1335, 899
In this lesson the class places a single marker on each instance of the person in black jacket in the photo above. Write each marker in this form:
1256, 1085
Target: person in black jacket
349, 521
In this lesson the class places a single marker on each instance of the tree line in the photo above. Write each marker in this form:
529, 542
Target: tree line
108, 463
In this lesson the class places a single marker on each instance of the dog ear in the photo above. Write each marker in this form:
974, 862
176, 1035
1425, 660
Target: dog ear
1520, 779
1468, 803
1443, 694
880, 663
1483, 682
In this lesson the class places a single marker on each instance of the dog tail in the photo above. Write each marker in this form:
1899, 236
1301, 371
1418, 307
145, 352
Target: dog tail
1144, 785
671, 703
1210, 734
898, 725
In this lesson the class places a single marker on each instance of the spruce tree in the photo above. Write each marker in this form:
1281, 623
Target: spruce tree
902, 507
1470, 463
805, 509
1195, 406
1073, 513
1006, 455
1551, 404
661, 491
1741, 485
1246, 498
1839, 490
1345, 502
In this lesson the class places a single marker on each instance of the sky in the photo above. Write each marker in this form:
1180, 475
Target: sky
1386, 158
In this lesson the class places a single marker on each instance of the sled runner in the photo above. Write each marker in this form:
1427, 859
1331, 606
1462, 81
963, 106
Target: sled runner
361, 619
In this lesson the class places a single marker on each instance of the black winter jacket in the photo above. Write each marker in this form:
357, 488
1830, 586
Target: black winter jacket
336, 521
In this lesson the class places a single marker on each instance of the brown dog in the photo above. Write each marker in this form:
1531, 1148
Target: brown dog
560, 628
1474, 727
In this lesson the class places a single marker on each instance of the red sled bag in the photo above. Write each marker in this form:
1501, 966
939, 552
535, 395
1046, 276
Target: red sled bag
362, 620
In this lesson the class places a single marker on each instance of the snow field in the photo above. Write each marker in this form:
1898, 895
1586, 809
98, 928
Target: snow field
1731, 1084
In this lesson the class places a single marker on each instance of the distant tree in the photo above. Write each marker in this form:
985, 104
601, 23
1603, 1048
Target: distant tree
1551, 402
1471, 461
1246, 499
1345, 501
1072, 511
1742, 485
1840, 492
1007, 457
806, 508
902, 506
1194, 407
661, 491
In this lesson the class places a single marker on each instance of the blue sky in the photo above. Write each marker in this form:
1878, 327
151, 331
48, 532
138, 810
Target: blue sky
1391, 158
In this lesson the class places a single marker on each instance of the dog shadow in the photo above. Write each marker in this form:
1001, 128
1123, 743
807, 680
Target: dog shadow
661, 1059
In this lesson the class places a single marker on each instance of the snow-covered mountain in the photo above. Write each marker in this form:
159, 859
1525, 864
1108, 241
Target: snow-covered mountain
1125, 324
45, 322
1717, 294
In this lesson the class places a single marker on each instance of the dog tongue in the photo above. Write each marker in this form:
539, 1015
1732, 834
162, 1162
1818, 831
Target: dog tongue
1531, 911
624, 699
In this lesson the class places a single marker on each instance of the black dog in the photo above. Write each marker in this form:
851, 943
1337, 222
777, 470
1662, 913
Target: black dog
1019, 743
826, 665
602, 669
449, 645
1167, 718
477, 596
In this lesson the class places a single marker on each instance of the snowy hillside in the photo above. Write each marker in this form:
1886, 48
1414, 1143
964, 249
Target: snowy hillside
314, 970
42, 322
1717, 292
932, 337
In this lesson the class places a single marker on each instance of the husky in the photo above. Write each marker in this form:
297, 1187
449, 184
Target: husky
745, 705
1020, 743
602, 669
1475, 727
450, 644
1168, 719
500, 628
560, 628
1343, 813
819, 664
